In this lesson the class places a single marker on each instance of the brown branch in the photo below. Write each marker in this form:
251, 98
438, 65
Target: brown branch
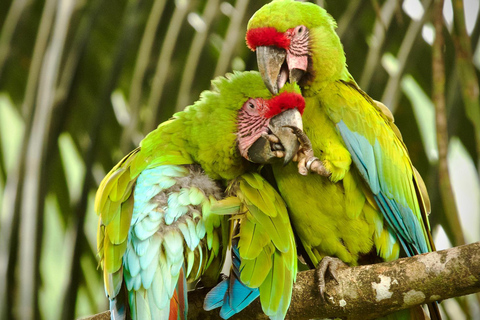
372, 290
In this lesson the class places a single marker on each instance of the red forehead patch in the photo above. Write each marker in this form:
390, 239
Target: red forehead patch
285, 101
266, 37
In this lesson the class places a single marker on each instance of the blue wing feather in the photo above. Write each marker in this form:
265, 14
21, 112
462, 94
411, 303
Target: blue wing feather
362, 155
369, 162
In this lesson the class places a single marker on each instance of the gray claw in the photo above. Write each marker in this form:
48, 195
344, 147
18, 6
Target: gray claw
302, 138
332, 265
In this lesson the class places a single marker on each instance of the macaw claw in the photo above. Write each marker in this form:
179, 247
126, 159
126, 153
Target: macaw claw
332, 265
271, 137
307, 162
275, 144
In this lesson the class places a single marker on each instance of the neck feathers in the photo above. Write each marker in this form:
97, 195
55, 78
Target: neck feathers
192, 138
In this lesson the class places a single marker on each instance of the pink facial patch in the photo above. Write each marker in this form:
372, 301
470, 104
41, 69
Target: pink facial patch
284, 101
266, 37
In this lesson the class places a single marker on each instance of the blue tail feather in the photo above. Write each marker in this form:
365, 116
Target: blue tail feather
215, 297
119, 309
231, 294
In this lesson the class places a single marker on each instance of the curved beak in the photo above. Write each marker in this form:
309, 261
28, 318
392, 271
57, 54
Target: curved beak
277, 66
286, 141
270, 61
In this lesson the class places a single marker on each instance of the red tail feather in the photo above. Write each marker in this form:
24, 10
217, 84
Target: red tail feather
173, 307
178, 301
182, 294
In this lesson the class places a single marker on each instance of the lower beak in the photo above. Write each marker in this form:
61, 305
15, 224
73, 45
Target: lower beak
262, 150
277, 67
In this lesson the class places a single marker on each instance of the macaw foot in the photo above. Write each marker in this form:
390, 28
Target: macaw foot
307, 162
332, 265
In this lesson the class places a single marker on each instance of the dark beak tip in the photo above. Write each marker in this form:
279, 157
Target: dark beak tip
272, 88
290, 152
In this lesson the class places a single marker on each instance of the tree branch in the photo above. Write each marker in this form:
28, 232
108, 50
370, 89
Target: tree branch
370, 291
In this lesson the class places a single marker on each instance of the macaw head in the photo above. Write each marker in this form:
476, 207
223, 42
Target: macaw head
296, 42
265, 126
245, 119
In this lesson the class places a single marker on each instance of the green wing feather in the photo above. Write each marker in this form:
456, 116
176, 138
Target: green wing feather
114, 204
382, 158
266, 244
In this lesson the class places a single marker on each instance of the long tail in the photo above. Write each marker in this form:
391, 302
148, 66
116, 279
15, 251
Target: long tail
144, 304
119, 309
179, 303
415, 313
434, 311
231, 294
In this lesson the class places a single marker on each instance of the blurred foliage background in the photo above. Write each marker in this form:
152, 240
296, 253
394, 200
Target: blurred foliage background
82, 81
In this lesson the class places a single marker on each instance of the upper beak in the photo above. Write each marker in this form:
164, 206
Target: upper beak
275, 72
261, 150
279, 125
270, 60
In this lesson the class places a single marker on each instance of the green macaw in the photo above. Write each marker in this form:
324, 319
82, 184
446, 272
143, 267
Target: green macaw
164, 208
370, 201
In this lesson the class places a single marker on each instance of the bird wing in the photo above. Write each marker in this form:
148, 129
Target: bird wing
156, 231
382, 159
264, 252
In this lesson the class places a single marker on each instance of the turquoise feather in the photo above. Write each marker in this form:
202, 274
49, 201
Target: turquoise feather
398, 215
231, 295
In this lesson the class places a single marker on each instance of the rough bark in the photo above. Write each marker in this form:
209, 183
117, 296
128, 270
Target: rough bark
371, 291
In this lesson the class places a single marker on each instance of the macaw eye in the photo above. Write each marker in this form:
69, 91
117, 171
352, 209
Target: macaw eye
251, 104
300, 30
